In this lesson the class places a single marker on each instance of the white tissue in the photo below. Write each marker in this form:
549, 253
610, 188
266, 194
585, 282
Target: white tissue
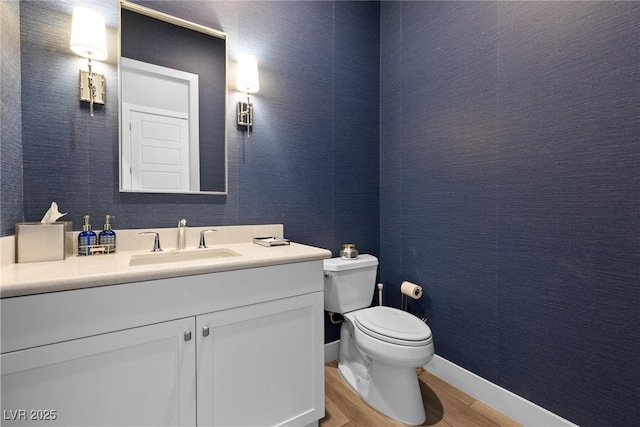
52, 215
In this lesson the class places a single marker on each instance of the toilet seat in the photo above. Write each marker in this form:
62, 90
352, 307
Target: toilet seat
393, 326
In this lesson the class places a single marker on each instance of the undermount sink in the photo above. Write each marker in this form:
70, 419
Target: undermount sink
178, 256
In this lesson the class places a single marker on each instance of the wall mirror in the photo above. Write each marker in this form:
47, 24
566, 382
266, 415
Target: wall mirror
173, 96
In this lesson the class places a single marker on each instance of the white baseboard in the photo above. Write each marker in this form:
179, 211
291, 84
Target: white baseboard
503, 400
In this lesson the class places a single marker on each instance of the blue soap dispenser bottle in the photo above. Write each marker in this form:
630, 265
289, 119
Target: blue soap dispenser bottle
87, 238
107, 237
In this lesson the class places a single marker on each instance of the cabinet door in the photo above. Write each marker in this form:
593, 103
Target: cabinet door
140, 376
262, 365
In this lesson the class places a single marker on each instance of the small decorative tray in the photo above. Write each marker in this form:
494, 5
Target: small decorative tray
270, 241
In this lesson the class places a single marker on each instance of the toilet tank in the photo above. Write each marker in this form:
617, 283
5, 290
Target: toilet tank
349, 284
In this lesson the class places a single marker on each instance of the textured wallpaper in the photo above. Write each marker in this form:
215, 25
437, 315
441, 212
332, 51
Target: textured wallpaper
510, 190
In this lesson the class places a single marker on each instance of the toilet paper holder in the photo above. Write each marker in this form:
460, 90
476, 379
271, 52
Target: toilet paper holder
409, 290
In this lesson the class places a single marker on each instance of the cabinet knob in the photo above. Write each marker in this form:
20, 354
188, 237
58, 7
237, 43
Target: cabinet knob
205, 331
187, 335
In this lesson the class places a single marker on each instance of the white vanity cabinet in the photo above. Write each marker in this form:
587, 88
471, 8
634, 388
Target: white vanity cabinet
241, 348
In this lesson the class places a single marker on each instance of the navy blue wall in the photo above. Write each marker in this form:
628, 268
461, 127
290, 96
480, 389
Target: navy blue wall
510, 190
311, 162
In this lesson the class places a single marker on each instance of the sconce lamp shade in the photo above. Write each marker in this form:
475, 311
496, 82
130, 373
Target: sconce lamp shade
88, 34
247, 79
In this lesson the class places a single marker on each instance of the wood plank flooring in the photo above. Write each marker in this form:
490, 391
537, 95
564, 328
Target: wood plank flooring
446, 406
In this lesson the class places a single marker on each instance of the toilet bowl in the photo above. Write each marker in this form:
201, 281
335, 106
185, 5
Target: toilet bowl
380, 347
381, 367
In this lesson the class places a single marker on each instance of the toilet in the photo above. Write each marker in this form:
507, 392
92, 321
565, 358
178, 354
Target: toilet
380, 347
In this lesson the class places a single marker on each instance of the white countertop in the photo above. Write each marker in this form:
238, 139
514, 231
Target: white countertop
78, 272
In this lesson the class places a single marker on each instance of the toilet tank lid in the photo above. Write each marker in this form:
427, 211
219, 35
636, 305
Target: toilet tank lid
339, 264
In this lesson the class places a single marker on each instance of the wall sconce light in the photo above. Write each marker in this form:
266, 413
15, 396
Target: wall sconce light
247, 81
89, 40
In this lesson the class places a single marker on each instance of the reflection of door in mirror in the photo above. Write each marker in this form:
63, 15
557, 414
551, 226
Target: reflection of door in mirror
159, 152
172, 72
159, 128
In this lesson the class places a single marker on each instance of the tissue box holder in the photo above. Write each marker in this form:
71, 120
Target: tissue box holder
36, 241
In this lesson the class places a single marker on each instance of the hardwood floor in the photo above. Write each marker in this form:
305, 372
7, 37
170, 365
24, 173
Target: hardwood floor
446, 406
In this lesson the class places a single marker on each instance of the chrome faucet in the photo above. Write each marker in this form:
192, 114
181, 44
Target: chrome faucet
203, 244
182, 234
156, 241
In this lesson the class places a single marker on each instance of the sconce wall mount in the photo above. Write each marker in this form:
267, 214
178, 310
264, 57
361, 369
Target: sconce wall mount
245, 114
93, 87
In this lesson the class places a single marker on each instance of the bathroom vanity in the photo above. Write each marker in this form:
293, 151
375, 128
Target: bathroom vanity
233, 340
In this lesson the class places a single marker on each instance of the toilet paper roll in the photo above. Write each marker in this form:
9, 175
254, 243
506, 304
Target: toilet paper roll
411, 290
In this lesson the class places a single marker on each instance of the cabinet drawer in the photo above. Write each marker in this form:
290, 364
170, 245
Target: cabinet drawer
85, 312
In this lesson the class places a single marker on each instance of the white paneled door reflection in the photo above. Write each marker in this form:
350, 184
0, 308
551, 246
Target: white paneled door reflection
159, 152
